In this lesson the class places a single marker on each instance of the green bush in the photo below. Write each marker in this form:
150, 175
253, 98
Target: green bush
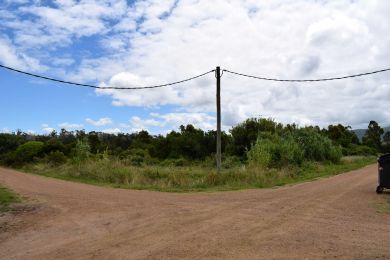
82, 150
8, 158
231, 162
361, 150
317, 147
175, 162
273, 150
54, 145
137, 160
135, 156
56, 158
27, 152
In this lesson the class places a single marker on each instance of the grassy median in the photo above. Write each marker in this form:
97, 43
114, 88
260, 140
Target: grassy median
115, 173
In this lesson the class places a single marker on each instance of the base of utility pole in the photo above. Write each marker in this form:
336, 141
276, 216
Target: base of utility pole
219, 155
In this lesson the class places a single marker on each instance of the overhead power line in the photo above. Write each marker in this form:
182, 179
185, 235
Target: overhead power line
195, 77
307, 80
97, 87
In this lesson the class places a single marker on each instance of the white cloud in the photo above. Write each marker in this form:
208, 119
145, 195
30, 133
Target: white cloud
56, 25
285, 39
17, 1
10, 56
69, 126
138, 123
112, 131
5, 130
63, 61
152, 42
100, 122
47, 130
172, 121
200, 120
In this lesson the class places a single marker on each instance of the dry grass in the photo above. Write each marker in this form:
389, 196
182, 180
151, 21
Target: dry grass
190, 178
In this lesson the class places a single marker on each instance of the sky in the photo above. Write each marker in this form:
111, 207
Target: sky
140, 43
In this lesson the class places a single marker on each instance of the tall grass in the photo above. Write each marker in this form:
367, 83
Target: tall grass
6, 199
114, 172
276, 150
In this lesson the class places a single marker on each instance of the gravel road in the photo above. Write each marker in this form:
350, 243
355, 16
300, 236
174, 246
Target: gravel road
327, 218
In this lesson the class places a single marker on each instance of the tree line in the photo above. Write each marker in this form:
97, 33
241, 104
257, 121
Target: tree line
187, 143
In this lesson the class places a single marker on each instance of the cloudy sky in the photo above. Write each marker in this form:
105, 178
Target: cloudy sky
140, 43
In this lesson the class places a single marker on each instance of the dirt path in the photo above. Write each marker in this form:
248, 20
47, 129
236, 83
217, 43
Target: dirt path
332, 217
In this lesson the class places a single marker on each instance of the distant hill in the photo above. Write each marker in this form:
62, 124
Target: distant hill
360, 132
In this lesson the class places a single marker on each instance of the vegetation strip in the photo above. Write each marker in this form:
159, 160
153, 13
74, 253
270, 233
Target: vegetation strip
7, 197
192, 178
256, 153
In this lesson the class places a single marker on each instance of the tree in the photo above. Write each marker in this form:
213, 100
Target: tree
245, 134
386, 137
188, 143
82, 149
94, 142
53, 145
27, 152
9, 142
386, 140
342, 135
373, 136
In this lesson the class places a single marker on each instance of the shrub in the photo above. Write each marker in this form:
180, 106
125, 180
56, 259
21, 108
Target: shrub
292, 148
27, 152
317, 147
8, 158
56, 158
82, 150
136, 160
361, 150
135, 156
273, 150
231, 162
175, 162
54, 145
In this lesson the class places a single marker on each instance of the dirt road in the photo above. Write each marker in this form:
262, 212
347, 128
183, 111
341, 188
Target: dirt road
331, 217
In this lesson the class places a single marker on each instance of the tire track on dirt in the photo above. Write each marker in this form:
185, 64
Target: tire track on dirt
330, 217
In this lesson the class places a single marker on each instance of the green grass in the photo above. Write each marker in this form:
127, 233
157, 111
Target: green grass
116, 173
383, 206
6, 199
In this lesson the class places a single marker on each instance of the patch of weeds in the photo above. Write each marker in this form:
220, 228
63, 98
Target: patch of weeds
6, 199
384, 206
117, 173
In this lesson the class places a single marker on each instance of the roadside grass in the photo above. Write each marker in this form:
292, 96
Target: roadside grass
116, 173
384, 205
7, 197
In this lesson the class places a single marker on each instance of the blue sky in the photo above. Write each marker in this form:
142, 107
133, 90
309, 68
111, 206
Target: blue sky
139, 43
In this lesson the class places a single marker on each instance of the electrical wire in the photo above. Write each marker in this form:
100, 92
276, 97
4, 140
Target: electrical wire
97, 87
195, 77
307, 80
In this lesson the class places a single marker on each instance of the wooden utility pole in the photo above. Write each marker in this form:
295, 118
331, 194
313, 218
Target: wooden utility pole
218, 76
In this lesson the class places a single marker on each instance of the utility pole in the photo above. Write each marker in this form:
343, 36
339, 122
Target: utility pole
218, 76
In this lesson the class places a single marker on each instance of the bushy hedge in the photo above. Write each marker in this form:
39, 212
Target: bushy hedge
317, 147
24, 153
275, 150
56, 158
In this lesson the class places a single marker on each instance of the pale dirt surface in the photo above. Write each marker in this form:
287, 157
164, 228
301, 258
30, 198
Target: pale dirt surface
334, 217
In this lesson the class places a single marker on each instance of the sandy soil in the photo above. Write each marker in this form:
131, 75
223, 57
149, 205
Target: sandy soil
335, 217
